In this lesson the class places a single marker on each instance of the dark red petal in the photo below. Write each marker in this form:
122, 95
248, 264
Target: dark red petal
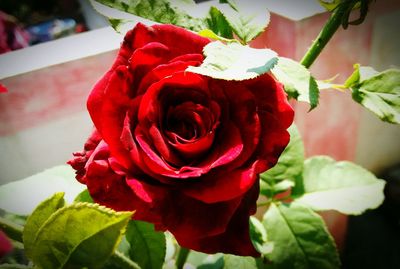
189, 83
273, 141
153, 198
236, 238
154, 163
95, 100
80, 159
227, 149
162, 71
144, 59
190, 57
272, 98
190, 219
163, 148
228, 146
224, 185
195, 148
114, 109
243, 112
181, 41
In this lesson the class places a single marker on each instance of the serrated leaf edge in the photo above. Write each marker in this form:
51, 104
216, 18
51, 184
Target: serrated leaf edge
79, 205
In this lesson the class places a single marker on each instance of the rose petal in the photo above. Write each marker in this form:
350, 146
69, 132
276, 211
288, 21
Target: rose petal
223, 186
193, 86
273, 141
96, 99
163, 147
243, 113
162, 71
144, 59
236, 238
166, 34
114, 108
227, 150
272, 98
189, 219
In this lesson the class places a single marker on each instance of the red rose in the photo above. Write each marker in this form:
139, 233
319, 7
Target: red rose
183, 150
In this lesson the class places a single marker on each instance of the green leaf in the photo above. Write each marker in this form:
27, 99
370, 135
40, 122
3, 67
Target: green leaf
14, 266
21, 197
297, 80
377, 91
84, 196
342, 186
300, 237
162, 11
79, 235
246, 21
210, 34
290, 163
234, 262
121, 26
258, 236
234, 62
205, 261
288, 169
39, 216
218, 24
148, 247
330, 5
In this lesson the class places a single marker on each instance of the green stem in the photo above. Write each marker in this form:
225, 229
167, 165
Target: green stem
331, 26
121, 261
12, 230
182, 256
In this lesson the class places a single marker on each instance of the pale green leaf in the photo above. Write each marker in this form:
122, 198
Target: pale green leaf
288, 169
379, 92
342, 186
210, 34
122, 26
162, 11
218, 24
301, 239
21, 197
330, 5
39, 216
234, 262
147, 247
234, 61
258, 236
246, 20
79, 235
205, 261
297, 80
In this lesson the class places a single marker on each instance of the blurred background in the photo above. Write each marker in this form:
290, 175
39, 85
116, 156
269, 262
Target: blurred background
29, 22
43, 117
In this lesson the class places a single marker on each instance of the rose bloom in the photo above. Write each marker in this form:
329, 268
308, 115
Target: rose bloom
183, 150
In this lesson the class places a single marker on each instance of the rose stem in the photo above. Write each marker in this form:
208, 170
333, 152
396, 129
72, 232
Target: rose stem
12, 230
329, 29
182, 256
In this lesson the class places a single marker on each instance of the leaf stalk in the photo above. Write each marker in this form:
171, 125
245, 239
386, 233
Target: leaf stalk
182, 257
